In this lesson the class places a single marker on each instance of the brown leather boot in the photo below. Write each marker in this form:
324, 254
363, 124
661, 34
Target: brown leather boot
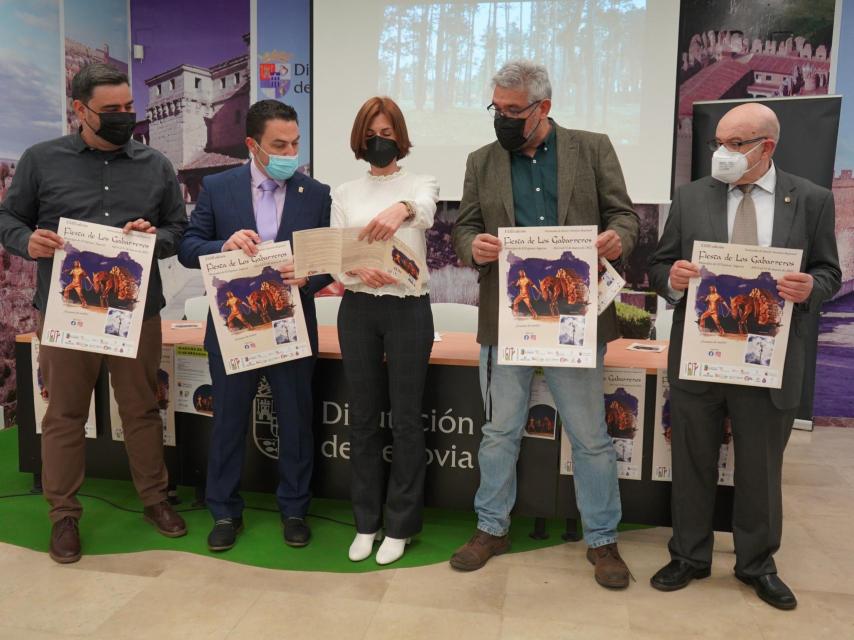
65, 541
482, 546
166, 520
611, 571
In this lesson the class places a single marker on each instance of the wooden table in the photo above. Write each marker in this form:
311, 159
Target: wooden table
454, 349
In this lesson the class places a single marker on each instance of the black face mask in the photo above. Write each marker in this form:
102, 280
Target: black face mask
509, 132
116, 127
380, 152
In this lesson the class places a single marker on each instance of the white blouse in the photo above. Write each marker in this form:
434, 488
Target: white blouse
356, 203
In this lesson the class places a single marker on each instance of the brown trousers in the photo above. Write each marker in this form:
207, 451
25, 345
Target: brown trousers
70, 377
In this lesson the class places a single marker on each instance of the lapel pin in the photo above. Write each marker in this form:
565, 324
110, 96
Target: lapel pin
299, 190
787, 199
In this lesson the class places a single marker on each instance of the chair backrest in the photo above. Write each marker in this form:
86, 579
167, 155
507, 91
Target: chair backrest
452, 316
196, 309
327, 309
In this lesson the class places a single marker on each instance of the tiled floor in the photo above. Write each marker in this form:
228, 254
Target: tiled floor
538, 595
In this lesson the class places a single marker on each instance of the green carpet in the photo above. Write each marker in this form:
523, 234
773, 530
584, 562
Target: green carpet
108, 529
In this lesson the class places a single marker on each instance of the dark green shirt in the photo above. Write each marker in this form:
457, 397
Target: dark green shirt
66, 178
535, 184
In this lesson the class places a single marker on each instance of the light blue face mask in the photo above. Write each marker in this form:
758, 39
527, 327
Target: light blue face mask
280, 167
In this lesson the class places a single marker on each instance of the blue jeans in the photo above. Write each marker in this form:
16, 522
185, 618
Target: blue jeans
579, 396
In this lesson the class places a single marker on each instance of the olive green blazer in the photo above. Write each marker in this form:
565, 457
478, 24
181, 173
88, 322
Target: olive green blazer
591, 190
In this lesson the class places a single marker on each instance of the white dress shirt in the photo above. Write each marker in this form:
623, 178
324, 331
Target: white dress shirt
356, 203
258, 177
763, 201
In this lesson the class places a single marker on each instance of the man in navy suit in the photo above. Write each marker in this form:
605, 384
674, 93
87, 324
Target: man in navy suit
238, 209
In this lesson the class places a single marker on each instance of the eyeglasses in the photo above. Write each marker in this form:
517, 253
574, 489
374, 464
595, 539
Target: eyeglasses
509, 113
714, 144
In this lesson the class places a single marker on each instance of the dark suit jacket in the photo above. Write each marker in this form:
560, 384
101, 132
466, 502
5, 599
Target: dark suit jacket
225, 206
806, 221
591, 191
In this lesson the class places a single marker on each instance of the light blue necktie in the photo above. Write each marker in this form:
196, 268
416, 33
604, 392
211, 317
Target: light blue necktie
267, 217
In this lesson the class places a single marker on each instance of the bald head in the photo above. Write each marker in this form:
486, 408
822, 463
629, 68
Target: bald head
750, 122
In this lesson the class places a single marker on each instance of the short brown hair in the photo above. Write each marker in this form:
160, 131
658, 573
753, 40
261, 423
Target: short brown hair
373, 107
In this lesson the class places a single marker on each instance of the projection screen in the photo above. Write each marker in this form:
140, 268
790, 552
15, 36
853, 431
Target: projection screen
612, 65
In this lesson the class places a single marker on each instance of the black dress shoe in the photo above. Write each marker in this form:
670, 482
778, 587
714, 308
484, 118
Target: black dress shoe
297, 533
772, 590
677, 574
224, 533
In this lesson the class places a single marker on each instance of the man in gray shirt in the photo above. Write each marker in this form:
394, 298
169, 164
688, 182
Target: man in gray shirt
99, 175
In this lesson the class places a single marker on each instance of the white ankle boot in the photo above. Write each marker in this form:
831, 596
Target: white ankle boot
363, 545
391, 550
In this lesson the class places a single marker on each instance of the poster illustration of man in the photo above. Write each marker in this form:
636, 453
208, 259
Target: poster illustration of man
732, 306
98, 282
547, 289
251, 303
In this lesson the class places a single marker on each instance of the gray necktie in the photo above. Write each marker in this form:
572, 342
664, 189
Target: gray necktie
744, 227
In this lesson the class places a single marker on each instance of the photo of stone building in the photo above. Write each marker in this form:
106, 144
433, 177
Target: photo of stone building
196, 118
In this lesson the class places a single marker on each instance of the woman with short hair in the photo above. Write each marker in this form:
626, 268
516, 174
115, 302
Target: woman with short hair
381, 319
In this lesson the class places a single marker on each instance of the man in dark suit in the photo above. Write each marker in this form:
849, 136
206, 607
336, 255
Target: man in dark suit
237, 209
540, 174
747, 200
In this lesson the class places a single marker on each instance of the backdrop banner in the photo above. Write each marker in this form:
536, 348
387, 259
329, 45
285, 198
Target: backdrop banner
806, 151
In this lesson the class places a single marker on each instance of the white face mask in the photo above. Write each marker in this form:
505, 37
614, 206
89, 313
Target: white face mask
728, 166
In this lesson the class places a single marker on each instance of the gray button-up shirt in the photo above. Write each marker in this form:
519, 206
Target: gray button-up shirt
66, 178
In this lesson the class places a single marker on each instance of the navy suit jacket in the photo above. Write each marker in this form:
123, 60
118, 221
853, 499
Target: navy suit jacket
225, 206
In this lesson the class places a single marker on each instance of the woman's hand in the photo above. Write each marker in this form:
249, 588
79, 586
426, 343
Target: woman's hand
385, 224
375, 278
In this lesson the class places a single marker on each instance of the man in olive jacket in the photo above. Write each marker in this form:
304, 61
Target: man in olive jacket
540, 174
